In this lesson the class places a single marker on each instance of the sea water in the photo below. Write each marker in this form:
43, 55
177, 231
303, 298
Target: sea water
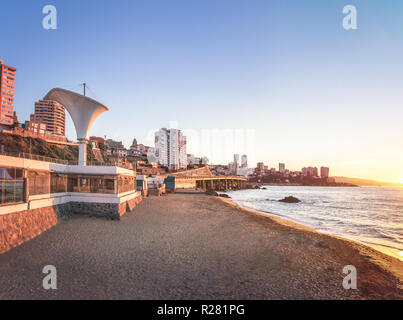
371, 215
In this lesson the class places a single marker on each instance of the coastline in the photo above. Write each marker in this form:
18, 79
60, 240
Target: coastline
386, 261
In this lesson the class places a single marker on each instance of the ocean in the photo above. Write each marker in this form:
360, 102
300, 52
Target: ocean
370, 215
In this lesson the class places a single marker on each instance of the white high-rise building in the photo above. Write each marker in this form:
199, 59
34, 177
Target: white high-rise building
161, 146
244, 161
236, 160
170, 148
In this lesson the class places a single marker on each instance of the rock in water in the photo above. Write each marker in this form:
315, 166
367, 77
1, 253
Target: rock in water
290, 199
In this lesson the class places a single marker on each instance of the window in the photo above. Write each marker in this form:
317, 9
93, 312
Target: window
58, 183
91, 184
11, 186
39, 182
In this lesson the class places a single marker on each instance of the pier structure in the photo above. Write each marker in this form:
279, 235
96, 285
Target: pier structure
221, 183
203, 179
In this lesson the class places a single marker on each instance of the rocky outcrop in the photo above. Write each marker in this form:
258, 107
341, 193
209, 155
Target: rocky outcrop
290, 199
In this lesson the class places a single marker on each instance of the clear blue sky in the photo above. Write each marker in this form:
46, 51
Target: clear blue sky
314, 93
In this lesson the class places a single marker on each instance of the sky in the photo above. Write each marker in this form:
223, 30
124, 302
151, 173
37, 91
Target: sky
281, 80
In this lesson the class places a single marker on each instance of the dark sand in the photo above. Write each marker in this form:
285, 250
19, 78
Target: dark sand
193, 246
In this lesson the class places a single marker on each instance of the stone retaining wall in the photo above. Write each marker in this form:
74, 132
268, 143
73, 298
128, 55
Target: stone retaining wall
106, 210
18, 227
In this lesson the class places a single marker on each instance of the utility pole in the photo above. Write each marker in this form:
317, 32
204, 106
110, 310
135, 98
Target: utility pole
85, 87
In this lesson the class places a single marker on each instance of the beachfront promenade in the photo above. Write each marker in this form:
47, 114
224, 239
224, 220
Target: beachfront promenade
188, 246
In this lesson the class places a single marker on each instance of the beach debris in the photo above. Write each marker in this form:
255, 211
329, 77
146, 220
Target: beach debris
263, 188
224, 195
290, 199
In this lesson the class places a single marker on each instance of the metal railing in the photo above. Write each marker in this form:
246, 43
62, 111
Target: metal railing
31, 156
34, 157
125, 165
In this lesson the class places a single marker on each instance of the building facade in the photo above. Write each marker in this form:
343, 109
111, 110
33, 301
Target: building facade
97, 139
324, 172
138, 147
170, 148
115, 149
52, 114
312, 171
36, 127
7, 89
260, 167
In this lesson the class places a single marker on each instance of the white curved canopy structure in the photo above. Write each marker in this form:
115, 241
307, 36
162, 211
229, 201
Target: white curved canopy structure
83, 111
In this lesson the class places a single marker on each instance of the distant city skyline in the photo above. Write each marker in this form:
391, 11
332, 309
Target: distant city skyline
314, 93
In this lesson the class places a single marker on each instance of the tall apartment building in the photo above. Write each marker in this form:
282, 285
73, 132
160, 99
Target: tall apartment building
236, 160
52, 114
244, 161
170, 148
260, 167
7, 86
312, 171
281, 167
324, 172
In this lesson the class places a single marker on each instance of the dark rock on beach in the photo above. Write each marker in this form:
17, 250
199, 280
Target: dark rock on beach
223, 195
211, 193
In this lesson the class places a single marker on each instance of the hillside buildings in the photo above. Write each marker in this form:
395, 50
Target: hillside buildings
139, 147
239, 163
192, 160
7, 87
307, 176
52, 114
97, 139
170, 148
115, 149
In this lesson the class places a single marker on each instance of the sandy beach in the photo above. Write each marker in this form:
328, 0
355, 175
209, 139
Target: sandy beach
194, 246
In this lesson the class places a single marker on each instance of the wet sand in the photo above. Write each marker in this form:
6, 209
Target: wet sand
193, 246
